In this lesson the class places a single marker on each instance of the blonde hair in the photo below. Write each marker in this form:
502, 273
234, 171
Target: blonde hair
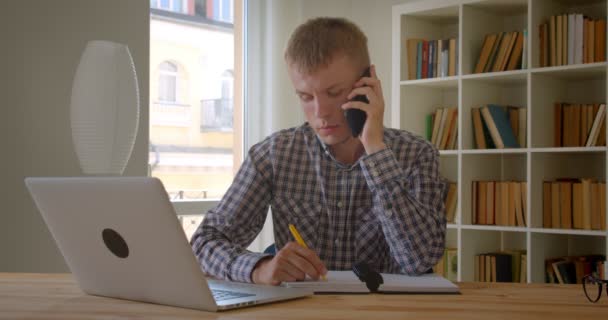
317, 41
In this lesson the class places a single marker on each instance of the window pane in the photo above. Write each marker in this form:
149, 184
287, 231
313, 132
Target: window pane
192, 142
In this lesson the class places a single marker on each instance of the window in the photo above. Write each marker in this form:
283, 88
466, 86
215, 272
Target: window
194, 149
217, 114
169, 5
222, 10
167, 82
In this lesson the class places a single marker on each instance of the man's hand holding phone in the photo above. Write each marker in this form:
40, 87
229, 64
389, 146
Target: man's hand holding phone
373, 130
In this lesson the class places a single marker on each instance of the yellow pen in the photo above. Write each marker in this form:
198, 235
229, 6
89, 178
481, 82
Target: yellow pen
299, 240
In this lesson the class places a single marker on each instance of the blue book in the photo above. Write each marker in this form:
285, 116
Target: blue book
497, 120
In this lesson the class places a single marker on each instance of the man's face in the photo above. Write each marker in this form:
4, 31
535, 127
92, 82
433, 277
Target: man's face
322, 94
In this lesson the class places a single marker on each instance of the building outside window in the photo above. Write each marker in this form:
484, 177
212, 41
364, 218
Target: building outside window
193, 147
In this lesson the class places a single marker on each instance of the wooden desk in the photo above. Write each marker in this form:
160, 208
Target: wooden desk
56, 296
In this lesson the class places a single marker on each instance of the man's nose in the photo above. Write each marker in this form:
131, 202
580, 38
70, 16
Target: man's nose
323, 107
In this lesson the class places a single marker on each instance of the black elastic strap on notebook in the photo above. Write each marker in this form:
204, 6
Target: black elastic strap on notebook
372, 279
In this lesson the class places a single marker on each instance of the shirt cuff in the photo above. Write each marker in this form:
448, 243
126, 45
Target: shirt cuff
242, 266
380, 167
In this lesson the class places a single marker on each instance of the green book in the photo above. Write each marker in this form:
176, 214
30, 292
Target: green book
428, 127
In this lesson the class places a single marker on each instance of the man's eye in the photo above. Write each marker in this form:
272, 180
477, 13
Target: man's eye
305, 97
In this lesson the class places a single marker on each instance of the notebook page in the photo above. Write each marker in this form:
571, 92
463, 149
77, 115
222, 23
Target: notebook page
427, 283
337, 281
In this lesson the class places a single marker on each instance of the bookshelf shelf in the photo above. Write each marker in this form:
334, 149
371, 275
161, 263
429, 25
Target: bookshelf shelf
569, 150
502, 77
597, 233
532, 88
575, 72
493, 228
445, 82
448, 152
492, 151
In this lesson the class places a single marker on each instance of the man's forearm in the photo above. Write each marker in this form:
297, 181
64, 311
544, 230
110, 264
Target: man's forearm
411, 209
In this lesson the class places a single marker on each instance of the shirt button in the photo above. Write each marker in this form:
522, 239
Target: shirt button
336, 242
371, 164
339, 204
375, 173
388, 213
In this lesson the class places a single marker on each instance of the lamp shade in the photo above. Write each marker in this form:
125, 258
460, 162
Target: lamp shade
104, 108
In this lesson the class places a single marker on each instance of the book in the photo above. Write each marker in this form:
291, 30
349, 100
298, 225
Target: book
564, 271
555, 206
453, 57
436, 124
578, 38
451, 256
547, 210
348, 282
484, 55
565, 198
412, 57
586, 195
497, 120
480, 141
600, 40
595, 129
542, 34
450, 203
571, 37
577, 205
516, 55
428, 127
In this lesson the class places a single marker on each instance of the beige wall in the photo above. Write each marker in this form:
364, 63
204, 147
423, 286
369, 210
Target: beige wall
41, 45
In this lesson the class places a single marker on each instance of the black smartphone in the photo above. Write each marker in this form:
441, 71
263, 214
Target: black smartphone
355, 117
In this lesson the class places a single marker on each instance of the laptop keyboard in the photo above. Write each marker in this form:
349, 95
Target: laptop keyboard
220, 295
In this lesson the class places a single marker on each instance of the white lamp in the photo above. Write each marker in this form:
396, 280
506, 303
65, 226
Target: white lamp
104, 109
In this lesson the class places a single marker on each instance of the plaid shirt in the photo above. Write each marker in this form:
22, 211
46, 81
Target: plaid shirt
387, 209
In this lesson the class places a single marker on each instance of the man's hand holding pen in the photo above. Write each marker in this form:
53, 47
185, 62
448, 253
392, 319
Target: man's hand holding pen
292, 263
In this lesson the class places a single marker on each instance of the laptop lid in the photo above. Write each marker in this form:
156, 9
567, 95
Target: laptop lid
121, 238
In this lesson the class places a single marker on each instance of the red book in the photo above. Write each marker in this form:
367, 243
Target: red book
425, 59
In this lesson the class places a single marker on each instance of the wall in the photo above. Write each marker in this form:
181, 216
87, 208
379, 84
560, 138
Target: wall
41, 52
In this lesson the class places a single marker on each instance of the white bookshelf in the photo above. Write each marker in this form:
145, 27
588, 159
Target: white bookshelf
534, 88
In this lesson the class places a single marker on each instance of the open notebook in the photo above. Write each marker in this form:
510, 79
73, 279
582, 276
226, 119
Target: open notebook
348, 282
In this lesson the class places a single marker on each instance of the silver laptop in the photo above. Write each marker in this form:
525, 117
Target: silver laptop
121, 238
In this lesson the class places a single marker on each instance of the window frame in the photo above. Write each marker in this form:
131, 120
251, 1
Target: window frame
167, 73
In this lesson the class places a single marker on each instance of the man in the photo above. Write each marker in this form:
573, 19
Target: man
377, 198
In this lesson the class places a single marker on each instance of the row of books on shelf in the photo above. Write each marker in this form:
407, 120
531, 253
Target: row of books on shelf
499, 203
502, 51
574, 204
451, 201
432, 58
579, 125
572, 269
499, 127
571, 39
447, 266
442, 128
504, 266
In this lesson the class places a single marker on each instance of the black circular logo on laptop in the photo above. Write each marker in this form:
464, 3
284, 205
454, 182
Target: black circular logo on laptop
115, 243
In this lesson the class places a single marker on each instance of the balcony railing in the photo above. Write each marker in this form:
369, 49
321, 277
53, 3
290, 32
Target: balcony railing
217, 115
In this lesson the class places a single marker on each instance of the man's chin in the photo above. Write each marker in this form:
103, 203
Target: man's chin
331, 140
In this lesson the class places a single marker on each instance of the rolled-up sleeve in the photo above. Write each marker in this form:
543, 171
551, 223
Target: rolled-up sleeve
221, 240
